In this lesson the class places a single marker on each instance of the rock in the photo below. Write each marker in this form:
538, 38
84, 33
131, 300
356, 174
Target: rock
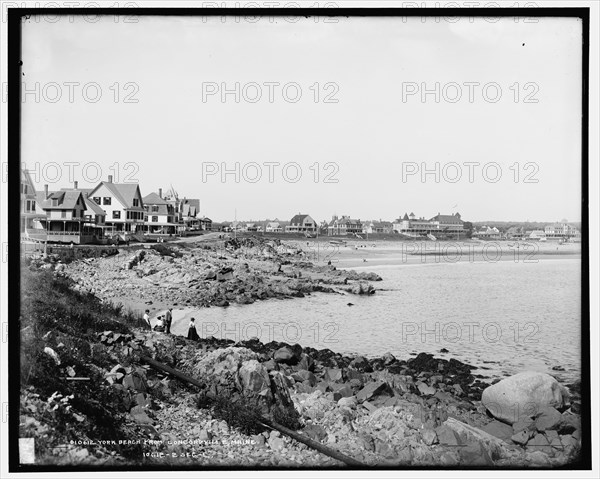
524, 423
523, 395
429, 436
315, 432
522, 437
372, 389
259, 440
303, 375
499, 429
388, 358
306, 362
206, 435
447, 436
333, 374
139, 416
425, 390
285, 355
369, 406
360, 363
276, 443
537, 458
474, 454
366, 442
254, 376
350, 402
539, 443
548, 418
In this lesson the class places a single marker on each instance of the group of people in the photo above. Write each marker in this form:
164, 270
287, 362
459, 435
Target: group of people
163, 324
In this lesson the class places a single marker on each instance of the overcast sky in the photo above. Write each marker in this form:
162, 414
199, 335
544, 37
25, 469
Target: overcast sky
374, 126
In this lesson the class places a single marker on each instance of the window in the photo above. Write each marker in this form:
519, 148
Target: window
81, 213
145, 218
154, 209
63, 214
97, 199
33, 206
136, 202
106, 200
74, 214
155, 219
54, 201
116, 215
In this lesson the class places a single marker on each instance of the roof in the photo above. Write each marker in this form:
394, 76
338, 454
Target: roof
163, 209
154, 199
273, 224
405, 217
193, 202
448, 219
67, 199
124, 192
298, 219
92, 205
26, 178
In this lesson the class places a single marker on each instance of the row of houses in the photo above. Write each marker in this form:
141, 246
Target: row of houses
561, 231
108, 211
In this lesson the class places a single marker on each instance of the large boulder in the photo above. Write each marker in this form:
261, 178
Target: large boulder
523, 395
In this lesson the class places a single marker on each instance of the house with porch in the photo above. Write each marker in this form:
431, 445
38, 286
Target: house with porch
301, 224
30, 208
378, 227
159, 215
124, 207
273, 227
344, 226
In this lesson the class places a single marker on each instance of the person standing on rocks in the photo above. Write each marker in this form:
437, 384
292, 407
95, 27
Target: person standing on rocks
192, 333
147, 318
168, 320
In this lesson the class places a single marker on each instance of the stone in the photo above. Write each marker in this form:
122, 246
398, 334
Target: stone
276, 443
548, 418
447, 436
522, 437
425, 390
499, 429
322, 386
350, 402
304, 375
333, 374
315, 432
370, 406
206, 435
372, 389
285, 355
366, 441
388, 358
360, 363
259, 440
306, 362
525, 423
474, 454
140, 416
537, 458
429, 436
539, 443
254, 376
522, 395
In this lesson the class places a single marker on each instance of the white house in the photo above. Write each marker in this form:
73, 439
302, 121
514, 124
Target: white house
301, 224
123, 205
159, 215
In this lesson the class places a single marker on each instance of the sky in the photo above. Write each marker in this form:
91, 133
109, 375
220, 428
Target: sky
327, 118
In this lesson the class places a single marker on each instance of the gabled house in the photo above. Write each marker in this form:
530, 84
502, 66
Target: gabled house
301, 224
205, 223
65, 216
123, 204
440, 224
379, 227
159, 215
344, 226
30, 209
273, 227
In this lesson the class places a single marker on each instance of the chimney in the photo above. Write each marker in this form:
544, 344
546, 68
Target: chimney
46, 192
110, 178
160, 192
75, 185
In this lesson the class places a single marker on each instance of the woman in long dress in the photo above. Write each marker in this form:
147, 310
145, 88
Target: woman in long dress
192, 333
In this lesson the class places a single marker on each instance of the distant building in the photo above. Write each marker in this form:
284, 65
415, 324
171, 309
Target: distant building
159, 217
515, 233
536, 235
30, 211
440, 224
380, 227
301, 224
561, 231
205, 223
273, 227
344, 226
487, 233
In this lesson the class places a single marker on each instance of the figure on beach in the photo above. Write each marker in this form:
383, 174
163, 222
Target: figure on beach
192, 333
168, 320
146, 318
160, 325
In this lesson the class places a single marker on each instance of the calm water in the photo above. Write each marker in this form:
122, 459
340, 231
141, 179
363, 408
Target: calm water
504, 316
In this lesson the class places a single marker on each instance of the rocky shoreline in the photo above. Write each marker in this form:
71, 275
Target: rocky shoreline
218, 273
423, 411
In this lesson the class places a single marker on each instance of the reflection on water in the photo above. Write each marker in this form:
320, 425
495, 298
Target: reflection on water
504, 316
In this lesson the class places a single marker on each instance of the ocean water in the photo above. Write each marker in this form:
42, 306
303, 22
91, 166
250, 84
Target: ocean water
501, 317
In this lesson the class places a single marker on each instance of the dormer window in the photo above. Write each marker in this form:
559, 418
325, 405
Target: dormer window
136, 202
54, 201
